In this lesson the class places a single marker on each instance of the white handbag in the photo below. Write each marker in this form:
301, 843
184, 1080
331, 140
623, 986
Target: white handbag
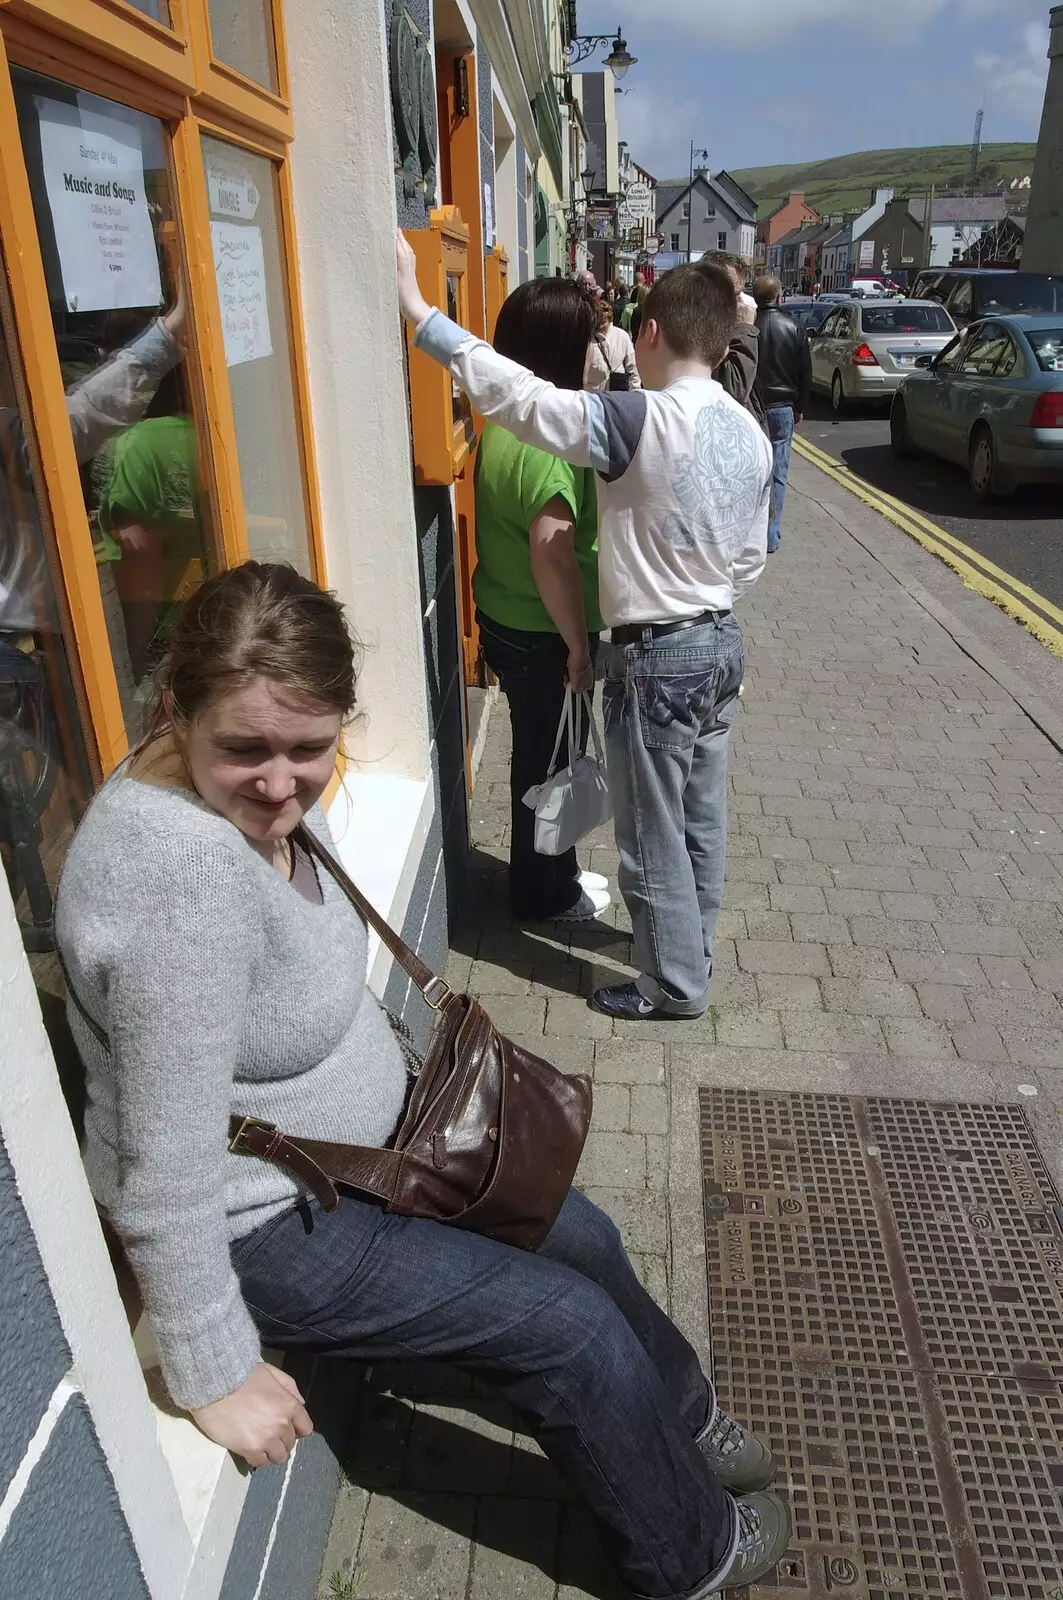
573, 802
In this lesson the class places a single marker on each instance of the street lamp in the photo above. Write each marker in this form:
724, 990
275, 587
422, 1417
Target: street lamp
587, 177
619, 60
701, 155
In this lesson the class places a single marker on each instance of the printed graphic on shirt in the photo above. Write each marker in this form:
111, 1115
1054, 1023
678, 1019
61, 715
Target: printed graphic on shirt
721, 486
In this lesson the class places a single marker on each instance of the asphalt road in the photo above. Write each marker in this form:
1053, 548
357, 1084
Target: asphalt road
1023, 536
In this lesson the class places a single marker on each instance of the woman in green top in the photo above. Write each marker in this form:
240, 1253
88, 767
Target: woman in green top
536, 584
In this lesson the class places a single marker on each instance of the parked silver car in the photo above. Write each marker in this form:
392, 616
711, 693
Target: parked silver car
865, 347
992, 401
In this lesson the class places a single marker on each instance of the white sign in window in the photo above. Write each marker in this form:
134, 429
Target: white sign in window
94, 179
241, 273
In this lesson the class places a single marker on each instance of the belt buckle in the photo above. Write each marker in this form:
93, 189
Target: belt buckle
249, 1122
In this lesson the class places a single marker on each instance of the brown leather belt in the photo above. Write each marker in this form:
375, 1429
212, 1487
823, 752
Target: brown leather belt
632, 632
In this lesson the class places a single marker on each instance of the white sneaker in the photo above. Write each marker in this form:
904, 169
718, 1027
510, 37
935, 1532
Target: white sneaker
591, 903
593, 880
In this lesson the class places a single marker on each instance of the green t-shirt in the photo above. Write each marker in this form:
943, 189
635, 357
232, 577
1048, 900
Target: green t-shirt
514, 482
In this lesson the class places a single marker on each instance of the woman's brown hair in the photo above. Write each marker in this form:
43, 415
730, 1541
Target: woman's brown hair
258, 620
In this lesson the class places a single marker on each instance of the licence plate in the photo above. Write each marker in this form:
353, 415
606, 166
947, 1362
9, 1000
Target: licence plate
905, 358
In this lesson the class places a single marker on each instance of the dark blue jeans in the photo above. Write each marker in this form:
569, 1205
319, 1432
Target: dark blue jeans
781, 421
531, 670
613, 1392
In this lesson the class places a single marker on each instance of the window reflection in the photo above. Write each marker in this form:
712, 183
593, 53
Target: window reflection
44, 774
241, 35
248, 248
105, 212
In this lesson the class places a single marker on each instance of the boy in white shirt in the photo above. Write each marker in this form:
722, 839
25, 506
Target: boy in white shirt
683, 491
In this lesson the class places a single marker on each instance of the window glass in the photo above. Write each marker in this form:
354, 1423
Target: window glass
241, 35
984, 351
1047, 347
248, 262
1009, 365
953, 354
1022, 292
961, 301
157, 10
905, 318
104, 204
44, 774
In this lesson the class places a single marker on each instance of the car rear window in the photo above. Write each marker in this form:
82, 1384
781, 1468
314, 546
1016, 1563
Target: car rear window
1047, 346
1019, 292
905, 319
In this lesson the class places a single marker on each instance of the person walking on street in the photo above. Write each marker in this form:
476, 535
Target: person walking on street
684, 485
785, 376
536, 587
611, 358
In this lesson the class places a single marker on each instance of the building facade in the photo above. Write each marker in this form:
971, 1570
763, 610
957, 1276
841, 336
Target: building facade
221, 183
1042, 249
711, 213
784, 219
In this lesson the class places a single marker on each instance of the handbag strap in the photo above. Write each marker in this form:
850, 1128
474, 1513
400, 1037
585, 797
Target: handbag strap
436, 990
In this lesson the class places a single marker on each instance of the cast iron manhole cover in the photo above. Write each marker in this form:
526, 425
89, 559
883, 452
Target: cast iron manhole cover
886, 1301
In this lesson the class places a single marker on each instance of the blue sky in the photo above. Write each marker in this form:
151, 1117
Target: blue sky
760, 82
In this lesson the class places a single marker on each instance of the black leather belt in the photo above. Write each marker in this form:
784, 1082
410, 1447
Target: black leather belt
632, 632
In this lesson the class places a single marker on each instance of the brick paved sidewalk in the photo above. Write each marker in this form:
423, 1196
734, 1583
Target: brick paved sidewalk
893, 924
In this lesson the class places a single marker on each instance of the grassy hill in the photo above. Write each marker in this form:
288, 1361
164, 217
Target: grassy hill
844, 183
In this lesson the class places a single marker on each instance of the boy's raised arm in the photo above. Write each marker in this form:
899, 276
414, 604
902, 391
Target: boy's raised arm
567, 423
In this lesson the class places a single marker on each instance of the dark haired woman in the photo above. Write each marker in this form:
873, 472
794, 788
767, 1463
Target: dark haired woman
536, 585
224, 974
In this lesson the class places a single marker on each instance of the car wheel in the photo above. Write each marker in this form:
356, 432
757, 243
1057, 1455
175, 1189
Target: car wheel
838, 401
984, 471
900, 435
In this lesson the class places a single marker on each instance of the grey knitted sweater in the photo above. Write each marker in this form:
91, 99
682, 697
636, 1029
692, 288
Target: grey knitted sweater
221, 988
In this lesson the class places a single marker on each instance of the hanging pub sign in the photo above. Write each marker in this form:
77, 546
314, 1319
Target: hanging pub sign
601, 222
94, 179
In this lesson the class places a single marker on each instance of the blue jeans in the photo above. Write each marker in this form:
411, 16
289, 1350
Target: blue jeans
615, 1395
781, 432
669, 703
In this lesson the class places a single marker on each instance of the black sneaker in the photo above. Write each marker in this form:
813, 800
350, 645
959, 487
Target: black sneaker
740, 1460
626, 1001
762, 1539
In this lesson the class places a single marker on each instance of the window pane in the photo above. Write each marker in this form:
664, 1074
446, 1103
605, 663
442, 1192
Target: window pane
157, 10
241, 35
44, 773
104, 204
248, 261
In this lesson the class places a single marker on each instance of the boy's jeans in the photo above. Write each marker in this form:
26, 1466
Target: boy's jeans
669, 703
781, 421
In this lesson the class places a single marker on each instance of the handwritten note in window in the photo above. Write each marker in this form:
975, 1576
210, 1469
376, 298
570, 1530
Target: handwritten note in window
241, 273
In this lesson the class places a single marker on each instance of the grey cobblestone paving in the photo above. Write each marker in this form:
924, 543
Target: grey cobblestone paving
893, 920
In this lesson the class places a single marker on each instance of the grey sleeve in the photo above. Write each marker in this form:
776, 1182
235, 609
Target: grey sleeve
622, 417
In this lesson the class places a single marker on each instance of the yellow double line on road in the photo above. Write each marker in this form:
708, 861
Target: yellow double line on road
1016, 598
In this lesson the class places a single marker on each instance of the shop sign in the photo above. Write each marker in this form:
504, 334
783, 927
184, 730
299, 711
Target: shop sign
627, 221
241, 274
867, 252
489, 217
94, 178
233, 192
639, 201
601, 222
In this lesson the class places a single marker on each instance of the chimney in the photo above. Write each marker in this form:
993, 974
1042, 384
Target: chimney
797, 197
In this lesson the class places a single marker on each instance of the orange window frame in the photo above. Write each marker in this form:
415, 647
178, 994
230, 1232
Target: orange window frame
109, 48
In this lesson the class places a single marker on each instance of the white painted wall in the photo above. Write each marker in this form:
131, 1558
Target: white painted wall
344, 184
505, 176
944, 241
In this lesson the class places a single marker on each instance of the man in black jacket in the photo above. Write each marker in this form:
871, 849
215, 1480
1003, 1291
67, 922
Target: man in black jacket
785, 380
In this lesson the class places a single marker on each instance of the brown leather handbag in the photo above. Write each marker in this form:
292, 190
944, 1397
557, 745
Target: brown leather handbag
492, 1134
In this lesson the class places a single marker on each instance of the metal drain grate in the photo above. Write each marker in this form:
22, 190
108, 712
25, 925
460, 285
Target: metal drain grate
886, 1298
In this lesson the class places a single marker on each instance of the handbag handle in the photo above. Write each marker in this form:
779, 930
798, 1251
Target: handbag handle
572, 720
436, 990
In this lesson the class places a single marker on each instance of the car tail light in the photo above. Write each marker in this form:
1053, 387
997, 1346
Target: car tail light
1048, 412
864, 356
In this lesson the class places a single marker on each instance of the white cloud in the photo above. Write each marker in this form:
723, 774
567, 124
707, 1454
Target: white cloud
1016, 82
